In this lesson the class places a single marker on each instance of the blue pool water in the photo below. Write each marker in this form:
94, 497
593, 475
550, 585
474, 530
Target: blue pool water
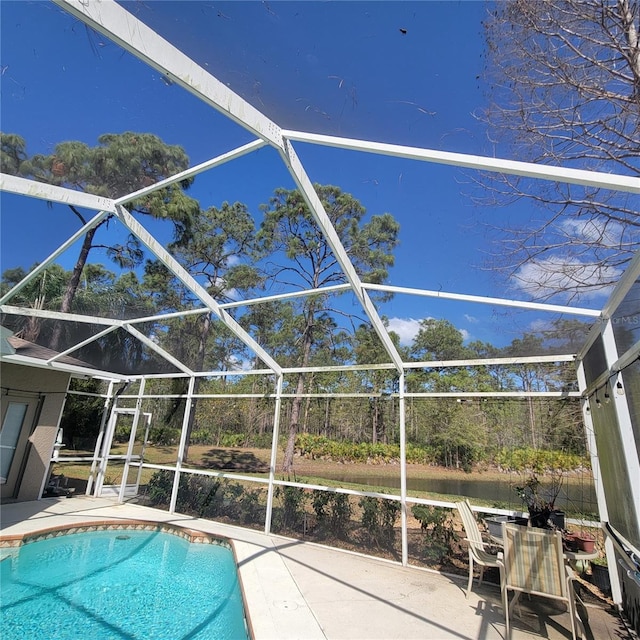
109, 585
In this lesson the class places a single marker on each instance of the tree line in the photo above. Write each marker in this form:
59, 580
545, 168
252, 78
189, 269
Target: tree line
224, 249
562, 83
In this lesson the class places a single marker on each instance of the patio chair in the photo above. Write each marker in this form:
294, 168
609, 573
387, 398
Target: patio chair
478, 553
534, 564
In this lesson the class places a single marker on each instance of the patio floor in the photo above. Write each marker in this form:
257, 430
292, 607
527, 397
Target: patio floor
300, 590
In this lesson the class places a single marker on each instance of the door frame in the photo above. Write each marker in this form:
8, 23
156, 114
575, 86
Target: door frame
11, 485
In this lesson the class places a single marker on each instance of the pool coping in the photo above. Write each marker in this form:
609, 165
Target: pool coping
193, 536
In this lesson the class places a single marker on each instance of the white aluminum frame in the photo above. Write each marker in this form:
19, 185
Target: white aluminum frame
113, 21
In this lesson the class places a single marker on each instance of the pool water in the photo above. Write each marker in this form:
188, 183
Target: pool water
121, 584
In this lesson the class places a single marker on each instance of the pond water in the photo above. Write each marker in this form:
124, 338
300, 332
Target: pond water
575, 496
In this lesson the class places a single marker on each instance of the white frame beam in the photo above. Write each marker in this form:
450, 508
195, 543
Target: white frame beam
116, 23
113, 21
629, 184
190, 282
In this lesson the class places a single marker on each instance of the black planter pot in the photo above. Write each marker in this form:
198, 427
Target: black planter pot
557, 519
540, 519
547, 519
600, 577
494, 524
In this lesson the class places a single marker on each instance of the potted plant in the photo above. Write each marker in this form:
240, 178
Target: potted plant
600, 574
585, 542
540, 501
570, 541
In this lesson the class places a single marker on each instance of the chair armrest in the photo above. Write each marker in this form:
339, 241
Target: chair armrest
571, 574
483, 543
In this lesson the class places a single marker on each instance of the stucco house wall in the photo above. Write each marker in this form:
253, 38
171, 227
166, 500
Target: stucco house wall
45, 390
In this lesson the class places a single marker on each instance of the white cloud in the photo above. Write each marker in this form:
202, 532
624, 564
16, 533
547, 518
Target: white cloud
539, 326
603, 232
556, 275
406, 328
471, 319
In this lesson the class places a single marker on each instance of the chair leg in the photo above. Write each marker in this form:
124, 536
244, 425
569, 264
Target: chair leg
470, 575
576, 622
481, 575
505, 606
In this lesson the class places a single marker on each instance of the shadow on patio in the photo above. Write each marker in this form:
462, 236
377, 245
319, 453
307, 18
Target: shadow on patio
302, 590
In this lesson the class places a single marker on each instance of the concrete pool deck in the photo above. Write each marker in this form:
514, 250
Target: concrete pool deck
300, 590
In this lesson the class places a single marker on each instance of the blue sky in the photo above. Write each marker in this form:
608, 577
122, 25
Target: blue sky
402, 72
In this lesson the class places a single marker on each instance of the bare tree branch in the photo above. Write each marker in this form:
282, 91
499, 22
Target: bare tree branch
564, 88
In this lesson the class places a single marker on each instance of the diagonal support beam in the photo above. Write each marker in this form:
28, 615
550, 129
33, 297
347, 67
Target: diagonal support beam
43, 191
79, 345
157, 349
322, 219
60, 250
185, 277
116, 23
194, 171
59, 315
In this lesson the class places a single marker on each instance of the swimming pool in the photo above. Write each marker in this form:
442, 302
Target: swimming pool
121, 584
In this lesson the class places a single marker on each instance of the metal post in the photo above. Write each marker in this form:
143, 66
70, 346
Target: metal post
96, 450
182, 446
403, 469
132, 439
603, 511
274, 453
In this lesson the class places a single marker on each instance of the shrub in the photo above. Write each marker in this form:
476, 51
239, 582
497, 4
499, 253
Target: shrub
539, 461
379, 518
201, 436
314, 447
436, 525
291, 514
159, 488
164, 435
252, 509
333, 512
232, 440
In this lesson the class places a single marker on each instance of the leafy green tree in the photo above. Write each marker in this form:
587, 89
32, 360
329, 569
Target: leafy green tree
102, 294
217, 254
13, 152
438, 340
289, 231
43, 292
119, 165
369, 350
82, 415
457, 429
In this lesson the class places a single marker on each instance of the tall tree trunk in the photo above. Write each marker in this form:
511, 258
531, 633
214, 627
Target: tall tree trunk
296, 406
202, 344
73, 284
374, 421
252, 414
307, 408
327, 416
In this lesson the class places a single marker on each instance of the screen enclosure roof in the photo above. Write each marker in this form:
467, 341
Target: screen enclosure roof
286, 95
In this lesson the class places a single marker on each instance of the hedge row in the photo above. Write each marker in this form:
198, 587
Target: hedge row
522, 459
